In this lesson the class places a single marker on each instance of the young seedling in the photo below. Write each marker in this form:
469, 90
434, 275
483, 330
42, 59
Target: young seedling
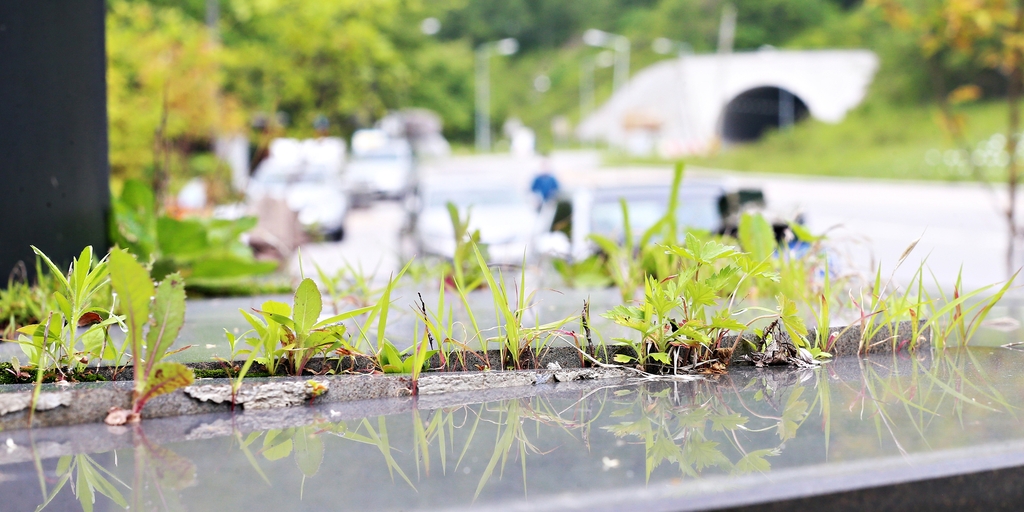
59, 341
297, 331
163, 309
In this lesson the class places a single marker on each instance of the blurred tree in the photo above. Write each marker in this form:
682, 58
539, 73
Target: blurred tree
989, 32
163, 79
331, 57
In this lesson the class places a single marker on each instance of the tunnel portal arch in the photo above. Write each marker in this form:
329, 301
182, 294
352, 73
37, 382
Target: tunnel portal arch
751, 113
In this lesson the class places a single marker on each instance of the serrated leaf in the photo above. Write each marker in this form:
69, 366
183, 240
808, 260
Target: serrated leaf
308, 305
164, 378
168, 317
622, 358
755, 461
131, 282
728, 422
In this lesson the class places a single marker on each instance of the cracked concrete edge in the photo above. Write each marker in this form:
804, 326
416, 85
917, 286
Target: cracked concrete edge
88, 403
97, 437
14, 402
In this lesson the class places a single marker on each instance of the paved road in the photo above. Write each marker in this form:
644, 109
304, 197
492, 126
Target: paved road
871, 222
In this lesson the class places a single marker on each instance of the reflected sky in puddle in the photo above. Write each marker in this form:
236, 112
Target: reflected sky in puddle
566, 441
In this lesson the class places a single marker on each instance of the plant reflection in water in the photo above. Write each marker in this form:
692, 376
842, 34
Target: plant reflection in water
740, 423
158, 475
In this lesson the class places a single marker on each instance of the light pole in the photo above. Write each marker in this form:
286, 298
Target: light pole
587, 66
484, 52
620, 44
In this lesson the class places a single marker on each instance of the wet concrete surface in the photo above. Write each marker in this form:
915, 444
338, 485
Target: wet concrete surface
833, 435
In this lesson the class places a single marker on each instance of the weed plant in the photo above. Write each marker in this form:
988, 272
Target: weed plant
22, 303
74, 332
162, 310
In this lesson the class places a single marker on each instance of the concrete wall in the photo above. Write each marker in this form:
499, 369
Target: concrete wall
685, 97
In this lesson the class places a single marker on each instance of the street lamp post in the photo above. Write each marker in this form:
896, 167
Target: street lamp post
484, 53
620, 44
587, 67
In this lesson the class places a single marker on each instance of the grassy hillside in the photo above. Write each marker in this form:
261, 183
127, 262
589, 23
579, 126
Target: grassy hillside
876, 140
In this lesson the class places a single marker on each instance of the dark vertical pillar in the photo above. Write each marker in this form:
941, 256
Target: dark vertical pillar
54, 169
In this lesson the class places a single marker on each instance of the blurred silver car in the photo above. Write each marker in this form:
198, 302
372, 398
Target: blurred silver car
307, 176
507, 219
381, 167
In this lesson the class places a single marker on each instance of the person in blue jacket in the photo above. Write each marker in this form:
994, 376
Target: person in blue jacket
545, 184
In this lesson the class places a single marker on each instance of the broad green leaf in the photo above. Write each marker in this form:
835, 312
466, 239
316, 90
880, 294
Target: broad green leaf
309, 451
168, 317
276, 445
133, 223
184, 238
230, 266
277, 308
131, 282
390, 355
308, 305
660, 357
164, 378
622, 358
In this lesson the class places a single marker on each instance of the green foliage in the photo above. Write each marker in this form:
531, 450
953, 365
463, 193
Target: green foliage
87, 478
207, 252
588, 273
629, 263
515, 339
163, 84
684, 313
22, 303
876, 140
56, 342
294, 334
162, 308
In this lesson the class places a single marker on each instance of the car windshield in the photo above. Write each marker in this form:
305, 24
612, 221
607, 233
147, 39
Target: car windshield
470, 197
694, 211
378, 156
281, 176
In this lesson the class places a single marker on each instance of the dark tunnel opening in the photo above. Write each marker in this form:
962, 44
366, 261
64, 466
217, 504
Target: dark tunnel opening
748, 116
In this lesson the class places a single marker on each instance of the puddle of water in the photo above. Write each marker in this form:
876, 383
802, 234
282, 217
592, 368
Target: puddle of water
567, 445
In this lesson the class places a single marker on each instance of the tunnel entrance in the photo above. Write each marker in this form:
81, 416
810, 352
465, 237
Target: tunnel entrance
749, 115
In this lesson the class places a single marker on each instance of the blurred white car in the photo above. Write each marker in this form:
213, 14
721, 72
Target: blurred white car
381, 166
507, 219
705, 205
307, 176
